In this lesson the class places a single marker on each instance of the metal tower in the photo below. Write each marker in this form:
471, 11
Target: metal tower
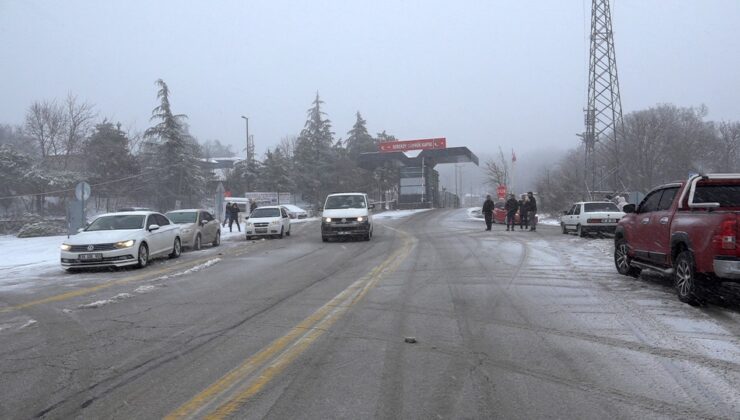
603, 114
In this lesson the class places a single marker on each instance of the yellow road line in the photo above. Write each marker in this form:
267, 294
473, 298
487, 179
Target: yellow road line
92, 289
237, 386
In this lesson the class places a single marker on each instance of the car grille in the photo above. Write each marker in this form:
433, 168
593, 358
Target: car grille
95, 247
343, 220
261, 225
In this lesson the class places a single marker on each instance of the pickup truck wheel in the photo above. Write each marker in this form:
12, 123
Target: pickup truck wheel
564, 229
622, 260
176, 249
685, 278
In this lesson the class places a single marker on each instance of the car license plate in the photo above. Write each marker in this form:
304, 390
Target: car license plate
91, 257
260, 230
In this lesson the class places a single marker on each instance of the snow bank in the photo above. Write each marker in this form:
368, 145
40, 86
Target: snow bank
397, 214
23, 256
99, 303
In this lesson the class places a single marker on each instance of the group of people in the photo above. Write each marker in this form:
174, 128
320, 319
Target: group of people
527, 208
231, 215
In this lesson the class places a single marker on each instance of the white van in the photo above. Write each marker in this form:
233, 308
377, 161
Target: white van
347, 215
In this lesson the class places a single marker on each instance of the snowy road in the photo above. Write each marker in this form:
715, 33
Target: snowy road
506, 324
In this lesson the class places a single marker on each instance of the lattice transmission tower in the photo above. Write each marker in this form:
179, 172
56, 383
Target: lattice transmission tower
603, 113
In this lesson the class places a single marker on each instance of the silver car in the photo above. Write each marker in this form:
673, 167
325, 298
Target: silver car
197, 227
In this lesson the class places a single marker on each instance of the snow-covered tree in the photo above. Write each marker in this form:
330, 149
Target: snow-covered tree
276, 172
172, 156
314, 155
108, 158
359, 140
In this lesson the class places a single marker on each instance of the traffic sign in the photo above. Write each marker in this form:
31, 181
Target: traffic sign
501, 191
82, 191
407, 145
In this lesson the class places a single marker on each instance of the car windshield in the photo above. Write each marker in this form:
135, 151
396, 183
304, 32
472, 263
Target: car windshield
117, 222
259, 213
345, 202
182, 217
596, 207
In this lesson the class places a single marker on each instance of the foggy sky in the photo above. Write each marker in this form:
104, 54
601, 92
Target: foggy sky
483, 74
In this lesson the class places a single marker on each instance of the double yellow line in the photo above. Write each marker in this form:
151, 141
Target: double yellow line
228, 394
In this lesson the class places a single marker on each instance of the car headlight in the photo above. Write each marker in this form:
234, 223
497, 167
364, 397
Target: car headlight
360, 219
124, 244
186, 231
275, 222
66, 247
327, 219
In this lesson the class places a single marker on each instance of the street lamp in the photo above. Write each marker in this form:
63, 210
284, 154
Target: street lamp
249, 157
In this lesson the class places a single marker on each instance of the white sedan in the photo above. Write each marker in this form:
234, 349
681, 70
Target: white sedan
268, 221
591, 216
121, 239
295, 212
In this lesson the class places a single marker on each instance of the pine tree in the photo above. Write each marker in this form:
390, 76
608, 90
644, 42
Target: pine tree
359, 140
314, 155
108, 157
175, 164
276, 172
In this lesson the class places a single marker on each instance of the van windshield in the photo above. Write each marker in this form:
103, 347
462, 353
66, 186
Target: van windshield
345, 202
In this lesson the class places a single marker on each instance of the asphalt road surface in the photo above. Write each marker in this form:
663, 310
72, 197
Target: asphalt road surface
506, 325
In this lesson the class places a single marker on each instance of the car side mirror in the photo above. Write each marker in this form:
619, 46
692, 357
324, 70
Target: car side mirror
629, 208
153, 228
371, 206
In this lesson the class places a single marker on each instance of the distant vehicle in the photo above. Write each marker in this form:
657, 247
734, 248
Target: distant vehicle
295, 212
499, 213
687, 230
587, 217
121, 239
347, 215
268, 221
197, 226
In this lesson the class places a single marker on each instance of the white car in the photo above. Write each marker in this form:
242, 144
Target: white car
197, 227
121, 239
591, 216
268, 221
295, 212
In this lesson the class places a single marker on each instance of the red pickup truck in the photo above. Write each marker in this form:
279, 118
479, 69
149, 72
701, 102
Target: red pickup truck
687, 230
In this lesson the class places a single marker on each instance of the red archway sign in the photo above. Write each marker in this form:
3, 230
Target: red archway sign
227, 193
407, 145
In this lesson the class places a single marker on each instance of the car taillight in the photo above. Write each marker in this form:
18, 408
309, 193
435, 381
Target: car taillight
728, 235
593, 220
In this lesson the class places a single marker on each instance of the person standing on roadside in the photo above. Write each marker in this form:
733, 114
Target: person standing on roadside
532, 211
511, 207
234, 217
227, 214
524, 212
488, 211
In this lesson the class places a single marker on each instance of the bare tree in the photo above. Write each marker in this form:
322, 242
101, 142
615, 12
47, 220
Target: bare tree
78, 124
497, 171
287, 146
45, 122
728, 152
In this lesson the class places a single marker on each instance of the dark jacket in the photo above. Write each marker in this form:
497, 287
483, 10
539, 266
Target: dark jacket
532, 205
511, 205
234, 212
488, 207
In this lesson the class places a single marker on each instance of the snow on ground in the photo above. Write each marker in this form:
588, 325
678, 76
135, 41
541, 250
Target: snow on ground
22, 256
397, 214
548, 219
475, 213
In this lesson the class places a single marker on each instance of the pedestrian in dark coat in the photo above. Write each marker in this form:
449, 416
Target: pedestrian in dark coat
532, 211
524, 213
488, 212
511, 207
234, 217
227, 214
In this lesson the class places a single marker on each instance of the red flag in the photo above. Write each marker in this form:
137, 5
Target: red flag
513, 156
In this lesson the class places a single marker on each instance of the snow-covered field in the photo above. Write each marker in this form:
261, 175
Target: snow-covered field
397, 214
23, 257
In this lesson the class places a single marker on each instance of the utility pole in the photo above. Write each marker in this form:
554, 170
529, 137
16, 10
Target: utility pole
250, 142
603, 113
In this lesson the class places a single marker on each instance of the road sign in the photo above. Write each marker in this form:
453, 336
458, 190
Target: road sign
82, 191
407, 145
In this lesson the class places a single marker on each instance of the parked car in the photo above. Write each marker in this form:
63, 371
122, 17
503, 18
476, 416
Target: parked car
268, 221
685, 230
295, 212
347, 215
121, 239
499, 213
197, 226
587, 217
